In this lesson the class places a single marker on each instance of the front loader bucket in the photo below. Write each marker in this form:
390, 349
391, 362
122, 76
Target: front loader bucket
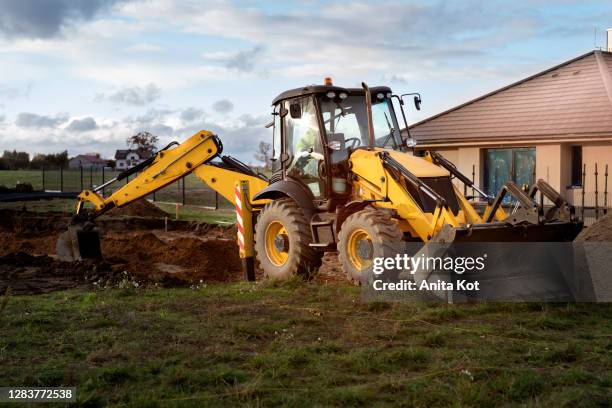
80, 241
524, 262
554, 231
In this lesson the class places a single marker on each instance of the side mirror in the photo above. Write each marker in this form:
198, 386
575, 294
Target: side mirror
295, 110
410, 142
417, 102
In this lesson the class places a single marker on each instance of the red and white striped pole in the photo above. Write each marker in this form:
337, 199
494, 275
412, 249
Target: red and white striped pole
244, 225
239, 220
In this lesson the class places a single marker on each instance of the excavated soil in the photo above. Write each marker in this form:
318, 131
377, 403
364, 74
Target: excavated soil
156, 255
139, 208
140, 250
136, 251
599, 231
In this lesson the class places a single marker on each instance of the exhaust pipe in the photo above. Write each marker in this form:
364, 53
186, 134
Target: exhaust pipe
368, 99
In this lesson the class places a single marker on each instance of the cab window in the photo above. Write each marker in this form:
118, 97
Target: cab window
303, 144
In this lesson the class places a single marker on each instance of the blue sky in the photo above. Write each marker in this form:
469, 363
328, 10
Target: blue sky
85, 75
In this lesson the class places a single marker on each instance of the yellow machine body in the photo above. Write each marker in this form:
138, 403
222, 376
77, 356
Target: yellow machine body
169, 166
373, 182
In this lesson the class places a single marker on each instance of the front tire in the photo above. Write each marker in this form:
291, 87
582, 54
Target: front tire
282, 238
365, 235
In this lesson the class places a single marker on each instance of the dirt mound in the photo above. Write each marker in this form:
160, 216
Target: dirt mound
187, 258
601, 230
139, 208
137, 250
26, 223
28, 274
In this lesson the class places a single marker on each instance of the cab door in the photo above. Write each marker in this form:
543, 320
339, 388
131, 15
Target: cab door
303, 148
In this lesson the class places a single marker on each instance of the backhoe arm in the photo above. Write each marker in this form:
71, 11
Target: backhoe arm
164, 168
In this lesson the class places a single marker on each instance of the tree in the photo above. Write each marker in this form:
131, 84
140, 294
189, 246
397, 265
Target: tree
143, 141
15, 160
264, 154
49, 160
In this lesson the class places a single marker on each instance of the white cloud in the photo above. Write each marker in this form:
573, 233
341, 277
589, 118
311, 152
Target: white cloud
141, 74
135, 95
82, 125
32, 19
34, 121
223, 106
144, 47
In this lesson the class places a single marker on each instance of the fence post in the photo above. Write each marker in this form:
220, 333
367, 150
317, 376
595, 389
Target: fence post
103, 180
596, 195
43, 178
216, 200
90, 177
583, 188
61, 178
606, 192
183, 190
81, 171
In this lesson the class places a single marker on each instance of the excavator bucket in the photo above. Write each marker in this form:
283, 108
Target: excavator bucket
529, 262
80, 241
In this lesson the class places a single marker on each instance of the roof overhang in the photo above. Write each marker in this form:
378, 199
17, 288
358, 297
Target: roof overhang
516, 140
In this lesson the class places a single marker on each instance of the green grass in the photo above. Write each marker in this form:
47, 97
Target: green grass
9, 178
196, 192
193, 213
189, 213
303, 344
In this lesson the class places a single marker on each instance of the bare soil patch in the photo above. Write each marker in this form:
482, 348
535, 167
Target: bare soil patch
139, 208
136, 250
601, 230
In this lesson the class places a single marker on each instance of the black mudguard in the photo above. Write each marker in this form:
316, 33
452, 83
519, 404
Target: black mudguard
292, 189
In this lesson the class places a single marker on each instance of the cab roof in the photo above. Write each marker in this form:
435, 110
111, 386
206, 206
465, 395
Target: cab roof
322, 89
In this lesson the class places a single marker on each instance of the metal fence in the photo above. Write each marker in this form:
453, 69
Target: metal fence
591, 199
189, 190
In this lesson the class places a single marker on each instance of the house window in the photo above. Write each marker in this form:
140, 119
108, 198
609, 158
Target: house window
503, 165
576, 160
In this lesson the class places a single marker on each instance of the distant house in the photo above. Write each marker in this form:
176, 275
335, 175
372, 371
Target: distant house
131, 157
87, 161
552, 126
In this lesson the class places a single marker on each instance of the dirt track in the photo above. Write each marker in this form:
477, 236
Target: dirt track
137, 250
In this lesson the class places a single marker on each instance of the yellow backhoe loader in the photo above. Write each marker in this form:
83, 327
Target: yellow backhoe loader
343, 180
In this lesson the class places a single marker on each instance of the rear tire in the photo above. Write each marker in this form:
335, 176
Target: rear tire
282, 238
365, 235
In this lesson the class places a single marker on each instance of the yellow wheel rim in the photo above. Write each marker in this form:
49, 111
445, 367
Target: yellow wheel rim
277, 243
360, 249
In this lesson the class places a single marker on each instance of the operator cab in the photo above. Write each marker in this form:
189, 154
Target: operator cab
317, 127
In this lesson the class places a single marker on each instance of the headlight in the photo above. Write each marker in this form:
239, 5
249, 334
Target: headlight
343, 95
331, 95
380, 96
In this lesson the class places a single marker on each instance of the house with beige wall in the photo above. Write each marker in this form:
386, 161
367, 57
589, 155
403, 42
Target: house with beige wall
547, 126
